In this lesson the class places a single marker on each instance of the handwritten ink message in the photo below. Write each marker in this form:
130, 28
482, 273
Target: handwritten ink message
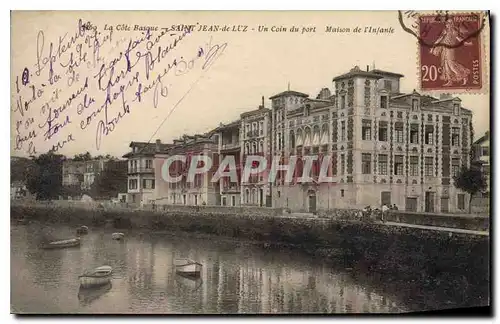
89, 79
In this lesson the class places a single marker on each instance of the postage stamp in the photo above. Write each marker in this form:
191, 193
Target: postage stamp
450, 52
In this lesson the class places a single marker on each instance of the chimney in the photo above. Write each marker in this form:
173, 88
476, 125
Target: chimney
158, 145
367, 68
262, 101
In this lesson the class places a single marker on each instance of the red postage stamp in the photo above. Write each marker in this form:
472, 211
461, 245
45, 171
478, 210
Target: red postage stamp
450, 51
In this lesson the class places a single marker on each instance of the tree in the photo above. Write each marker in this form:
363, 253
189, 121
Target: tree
111, 181
83, 157
45, 178
470, 180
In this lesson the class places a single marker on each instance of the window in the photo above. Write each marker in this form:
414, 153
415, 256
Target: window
485, 151
429, 135
414, 105
148, 183
456, 109
398, 132
261, 128
132, 184
414, 134
366, 163
382, 164
383, 102
428, 167
382, 131
342, 101
398, 165
367, 130
342, 132
387, 85
342, 193
342, 164
455, 166
149, 164
455, 136
414, 166
399, 135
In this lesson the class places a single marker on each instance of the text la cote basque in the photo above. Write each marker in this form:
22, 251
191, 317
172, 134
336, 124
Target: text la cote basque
181, 27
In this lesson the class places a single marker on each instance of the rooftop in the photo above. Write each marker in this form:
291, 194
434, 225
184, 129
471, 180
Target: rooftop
289, 93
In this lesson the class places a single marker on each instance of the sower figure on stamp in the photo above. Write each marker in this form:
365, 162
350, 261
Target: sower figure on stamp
444, 48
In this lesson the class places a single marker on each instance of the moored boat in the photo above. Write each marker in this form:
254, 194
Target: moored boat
62, 244
117, 236
187, 267
97, 277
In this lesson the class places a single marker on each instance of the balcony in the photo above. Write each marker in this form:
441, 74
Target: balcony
231, 188
141, 170
230, 146
254, 133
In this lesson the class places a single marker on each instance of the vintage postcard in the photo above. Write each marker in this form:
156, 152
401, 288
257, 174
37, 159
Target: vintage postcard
250, 162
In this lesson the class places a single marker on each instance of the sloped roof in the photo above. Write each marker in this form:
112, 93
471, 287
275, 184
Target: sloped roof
289, 93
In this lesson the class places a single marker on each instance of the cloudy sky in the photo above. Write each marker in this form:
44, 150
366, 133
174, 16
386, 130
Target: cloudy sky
252, 64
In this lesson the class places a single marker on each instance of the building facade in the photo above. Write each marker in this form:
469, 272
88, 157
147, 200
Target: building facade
229, 146
255, 139
381, 146
73, 172
481, 157
202, 190
141, 181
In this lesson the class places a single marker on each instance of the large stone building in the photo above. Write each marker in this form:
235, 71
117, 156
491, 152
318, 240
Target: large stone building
385, 147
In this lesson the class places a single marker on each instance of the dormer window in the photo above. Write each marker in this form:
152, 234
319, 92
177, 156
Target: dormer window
414, 105
456, 109
383, 102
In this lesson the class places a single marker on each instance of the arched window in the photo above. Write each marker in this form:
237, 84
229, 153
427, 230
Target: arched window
261, 146
307, 137
254, 148
300, 138
254, 196
315, 137
247, 194
324, 134
292, 140
247, 148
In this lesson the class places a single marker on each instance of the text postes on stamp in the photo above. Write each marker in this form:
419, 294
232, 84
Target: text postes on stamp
450, 52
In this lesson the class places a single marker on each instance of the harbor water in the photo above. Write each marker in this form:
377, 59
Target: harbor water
236, 277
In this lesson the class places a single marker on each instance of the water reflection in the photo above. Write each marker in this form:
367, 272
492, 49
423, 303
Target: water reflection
87, 296
144, 278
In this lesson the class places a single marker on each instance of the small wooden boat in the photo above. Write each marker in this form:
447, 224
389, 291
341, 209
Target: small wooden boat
62, 244
82, 230
117, 236
98, 277
187, 267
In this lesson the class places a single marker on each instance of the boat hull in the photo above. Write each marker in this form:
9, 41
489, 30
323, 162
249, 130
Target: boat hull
190, 269
117, 236
62, 245
88, 282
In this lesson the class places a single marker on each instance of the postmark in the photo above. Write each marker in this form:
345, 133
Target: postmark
450, 50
